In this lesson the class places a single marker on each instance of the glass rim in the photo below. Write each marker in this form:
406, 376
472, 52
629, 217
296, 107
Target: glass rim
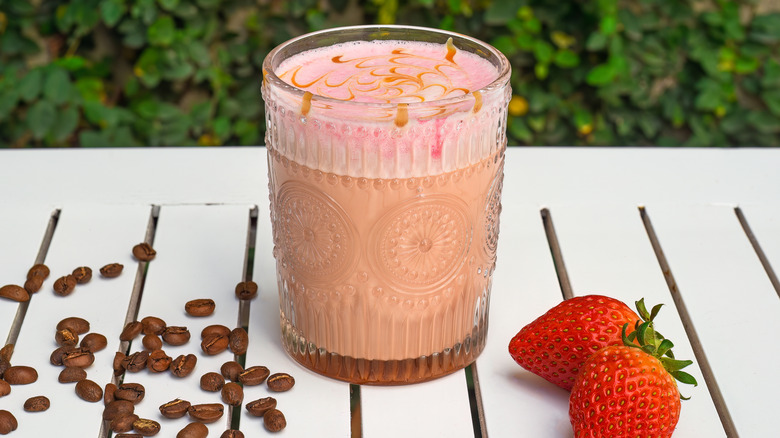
504, 68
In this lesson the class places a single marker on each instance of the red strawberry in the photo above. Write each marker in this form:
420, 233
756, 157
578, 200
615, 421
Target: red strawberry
556, 345
629, 390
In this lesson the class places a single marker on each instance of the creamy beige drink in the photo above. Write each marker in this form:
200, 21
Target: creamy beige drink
386, 163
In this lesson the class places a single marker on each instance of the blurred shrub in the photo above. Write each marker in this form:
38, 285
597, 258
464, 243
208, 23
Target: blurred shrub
586, 72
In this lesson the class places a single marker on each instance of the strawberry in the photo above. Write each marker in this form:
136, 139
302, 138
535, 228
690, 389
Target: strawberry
629, 390
556, 345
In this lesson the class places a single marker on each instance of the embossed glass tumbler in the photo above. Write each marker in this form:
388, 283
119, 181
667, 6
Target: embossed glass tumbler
386, 154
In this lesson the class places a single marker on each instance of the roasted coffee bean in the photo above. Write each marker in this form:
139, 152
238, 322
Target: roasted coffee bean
89, 391
71, 375
65, 285
117, 408
37, 404
76, 324
200, 307
144, 252
254, 375
146, 427
259, 407
214, 344
123, 423
59, 353
207, 412
274, 420
131, 330
39, 270
129, 435
14, 293
33, 285
230, 370
175, 408
153, 325
111, 270
66, 338
4, 365
5, 388
215, 329
6, 352
230, 433
246, 290
212, 382
280, 382
158, 361
183, 365
119, 360
82, 274
152, 342
108, 393
8, 422
232, 394
79, 357
20, 375
193, 430
238, 341
175, 335
132, 392
94, 342
136, 362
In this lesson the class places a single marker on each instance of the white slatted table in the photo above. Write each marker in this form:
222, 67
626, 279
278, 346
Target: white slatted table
198, 207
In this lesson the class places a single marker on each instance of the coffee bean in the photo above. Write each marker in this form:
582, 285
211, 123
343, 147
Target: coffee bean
37, 404
193, 430
280, 382
215, 329
20, 375
152, 342
108, 393
230, 370
8, 422
214, 344
131, 330
89, 391
183, 365
39, 270
238, 341
4, 365
246, 290
175, 408
118, 364
111, 270
117, 408
82, 274
66, 338
274, 420
232, 394
65, 285
254, 375
132, 392
144, 252
136, 362
158, 361
76, 324
71, 375
259, 407
123, 423
94, 342
153, 325
33, 285
230, 433
58, 354
14, 293
146, 427
200, 307
212, 382
129, 435
6, 352
207, 412
5, 388
79, 357
175, 336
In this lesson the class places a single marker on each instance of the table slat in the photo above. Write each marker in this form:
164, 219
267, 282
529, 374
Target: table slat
764, 223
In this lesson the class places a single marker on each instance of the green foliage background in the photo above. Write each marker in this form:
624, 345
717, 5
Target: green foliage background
586, 72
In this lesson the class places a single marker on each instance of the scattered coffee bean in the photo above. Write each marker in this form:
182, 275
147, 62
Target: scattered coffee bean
37, 404
108, 393
20, 375
4, 365
136, 362
89, 391
212, 382
65, 285
254, 375
144, 252
232, 394
6, 352
94, 342
72, 374
214, 344
183, 365
117, 408
246, 290
66, 338
129, 435
175, 408
230, 370
5, 388
8, 422
230, 433
111, 270
175, 335
76, 324
131, 330
146, 427
132, 392
215, 329
193, 430
200, 307
153, 325
78, 357
82, 274
280, 382
14, 293
123, 423
59, 353
119, 360
207, 412
259, 407
39, 270
152, 342
238, 341
33, 285
274, 420
158, 361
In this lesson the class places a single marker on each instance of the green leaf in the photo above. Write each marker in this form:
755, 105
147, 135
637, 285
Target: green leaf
772, 100
40, 118
596, 41
543, 51
566, 59
765, 28
764, 122
502, 11
90, 88
57, 86
112, 11
93, 139
541, 70
771, 74
601, 75
30, 85
162, 31
168, 5
222, 128
505, 44
71, 63
66, 123
746, 65
608, 25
